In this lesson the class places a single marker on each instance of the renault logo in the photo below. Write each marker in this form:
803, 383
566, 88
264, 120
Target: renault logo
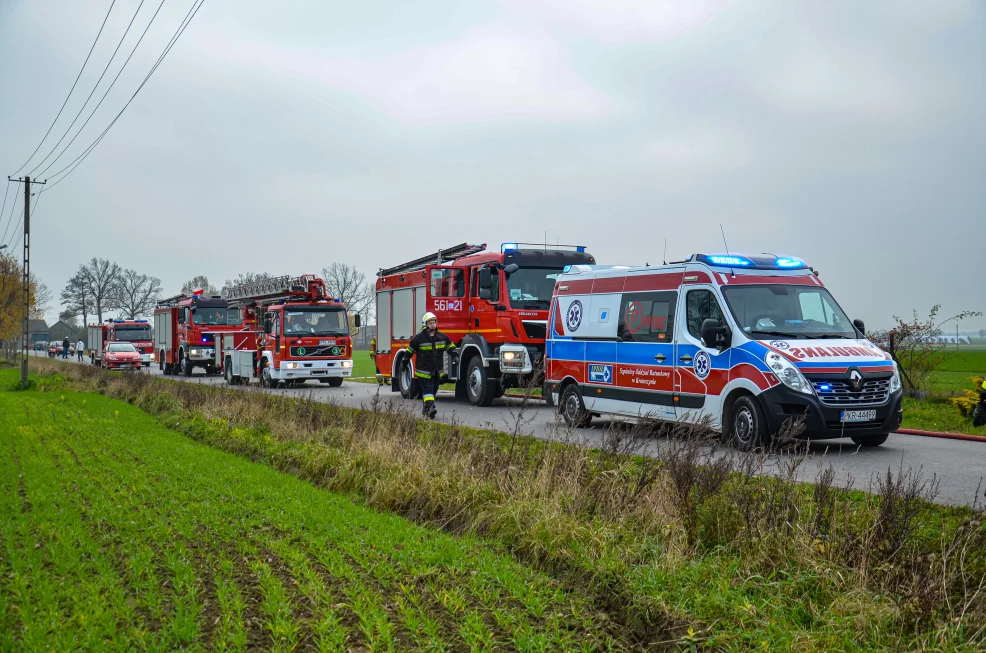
856, 379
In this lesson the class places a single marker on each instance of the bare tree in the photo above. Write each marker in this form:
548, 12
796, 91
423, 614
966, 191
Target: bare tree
75, 296
347, 283
92, 288
136, 294
42, 299
247, 277
199, 282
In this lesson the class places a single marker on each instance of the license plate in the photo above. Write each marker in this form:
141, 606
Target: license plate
857, 416
322, 343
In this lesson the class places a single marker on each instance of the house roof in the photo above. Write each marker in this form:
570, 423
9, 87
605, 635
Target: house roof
37, 326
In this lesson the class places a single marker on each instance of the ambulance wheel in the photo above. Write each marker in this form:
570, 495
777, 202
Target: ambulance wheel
335, 382
266, 379
405, 381
747, 426
479, 387
572, 408
870, 440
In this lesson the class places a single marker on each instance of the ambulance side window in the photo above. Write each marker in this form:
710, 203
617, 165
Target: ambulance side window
647, 316
701, 305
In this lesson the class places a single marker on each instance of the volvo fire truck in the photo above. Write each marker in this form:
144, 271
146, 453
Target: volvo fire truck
185, 328
292, 332
136, 332
492, 304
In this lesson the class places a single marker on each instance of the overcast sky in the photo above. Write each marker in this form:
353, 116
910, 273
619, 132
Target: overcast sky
282, 136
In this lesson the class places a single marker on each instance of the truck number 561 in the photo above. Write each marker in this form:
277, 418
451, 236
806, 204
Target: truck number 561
448, 304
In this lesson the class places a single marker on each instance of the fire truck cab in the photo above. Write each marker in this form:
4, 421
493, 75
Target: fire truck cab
136, 332
748, 343
292, 332
492, 304
185, 329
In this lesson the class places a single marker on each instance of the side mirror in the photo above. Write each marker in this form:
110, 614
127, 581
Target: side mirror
716, 335
510, 269
267, 324
859, 325
357, 321
485, 283
181, 319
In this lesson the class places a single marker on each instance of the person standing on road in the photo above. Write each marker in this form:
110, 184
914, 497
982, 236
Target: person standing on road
65, 346
373, 357
80, 347
428, 348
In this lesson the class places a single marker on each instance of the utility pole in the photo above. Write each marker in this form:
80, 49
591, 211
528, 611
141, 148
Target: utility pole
26, 280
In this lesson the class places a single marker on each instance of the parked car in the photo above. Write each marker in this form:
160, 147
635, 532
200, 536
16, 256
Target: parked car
121, 356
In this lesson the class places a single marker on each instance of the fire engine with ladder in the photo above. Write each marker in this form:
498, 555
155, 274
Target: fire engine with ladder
492, 304
185, 328
292, 332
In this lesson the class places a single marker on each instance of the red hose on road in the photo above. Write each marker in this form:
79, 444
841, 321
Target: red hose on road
939, 434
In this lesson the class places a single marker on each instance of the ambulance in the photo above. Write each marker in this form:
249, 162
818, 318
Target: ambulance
744, 343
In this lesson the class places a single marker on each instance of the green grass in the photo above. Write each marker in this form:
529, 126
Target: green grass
736, 564
118, 534
954, 375
937, 414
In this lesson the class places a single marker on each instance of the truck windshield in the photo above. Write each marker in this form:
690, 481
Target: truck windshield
315, 322
786, 311
532, 287
215, 316
132, 334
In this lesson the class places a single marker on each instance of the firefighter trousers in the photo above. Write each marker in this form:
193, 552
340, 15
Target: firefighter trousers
429, 388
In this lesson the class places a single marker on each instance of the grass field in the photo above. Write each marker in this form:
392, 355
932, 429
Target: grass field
954, 375
683, 551
118, 534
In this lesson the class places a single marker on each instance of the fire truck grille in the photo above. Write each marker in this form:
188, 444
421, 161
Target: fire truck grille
307, 352
841, 393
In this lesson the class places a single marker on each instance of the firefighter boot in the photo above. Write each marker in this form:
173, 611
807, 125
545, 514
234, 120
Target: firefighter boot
432, 411
424, 409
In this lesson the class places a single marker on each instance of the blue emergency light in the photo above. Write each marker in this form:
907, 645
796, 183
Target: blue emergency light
567, 268
728, 260
790, 262
580, 249
508, 246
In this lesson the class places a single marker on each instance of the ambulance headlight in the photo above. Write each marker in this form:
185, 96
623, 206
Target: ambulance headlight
788, 374
895, 380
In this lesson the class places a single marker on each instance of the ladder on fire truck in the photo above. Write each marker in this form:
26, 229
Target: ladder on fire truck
438, 258
268, 291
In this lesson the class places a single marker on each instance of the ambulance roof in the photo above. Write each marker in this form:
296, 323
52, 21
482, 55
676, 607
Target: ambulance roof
761, 263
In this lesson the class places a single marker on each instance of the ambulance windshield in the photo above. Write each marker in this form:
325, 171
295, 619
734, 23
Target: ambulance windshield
315, 322
532, 287
787, 311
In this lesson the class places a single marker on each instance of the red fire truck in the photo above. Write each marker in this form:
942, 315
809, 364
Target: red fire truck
493, 305
136, 332
292, 332
185, 328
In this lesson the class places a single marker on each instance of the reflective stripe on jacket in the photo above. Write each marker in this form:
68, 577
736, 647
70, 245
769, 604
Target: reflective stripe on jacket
429, 352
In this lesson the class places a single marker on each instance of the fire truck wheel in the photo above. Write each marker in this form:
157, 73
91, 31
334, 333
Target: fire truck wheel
405, 381
480, 388
168, 369
572, 408
228, 373
335, 382
186, 366
870, 440
265, 378
747, 427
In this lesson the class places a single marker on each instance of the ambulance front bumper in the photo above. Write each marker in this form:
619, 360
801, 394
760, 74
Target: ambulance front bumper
318, 369
784, 406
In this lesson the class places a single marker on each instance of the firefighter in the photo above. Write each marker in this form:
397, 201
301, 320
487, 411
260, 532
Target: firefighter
373, 357
429, 347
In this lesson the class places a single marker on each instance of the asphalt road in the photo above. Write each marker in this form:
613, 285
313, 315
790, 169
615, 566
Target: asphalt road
959, 467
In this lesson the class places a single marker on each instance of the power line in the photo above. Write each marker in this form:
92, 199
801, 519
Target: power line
83, 107
113, 83
34, 209
196, 5
69, 93
4, 207
10, 218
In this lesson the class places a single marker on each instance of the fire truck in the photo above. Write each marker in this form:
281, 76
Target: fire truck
136, 332
493, 305
185, 329
292, 332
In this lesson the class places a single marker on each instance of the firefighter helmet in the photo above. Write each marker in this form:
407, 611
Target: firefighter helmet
427, 317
